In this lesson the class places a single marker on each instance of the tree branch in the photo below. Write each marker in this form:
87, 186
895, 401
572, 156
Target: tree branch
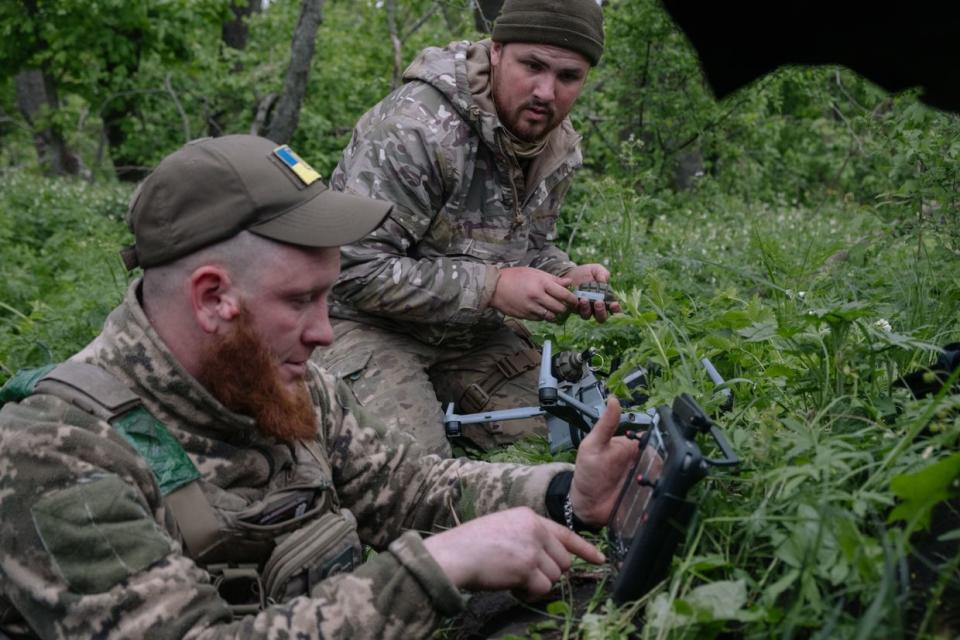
421, 21
264, 107
710, 125
168, 85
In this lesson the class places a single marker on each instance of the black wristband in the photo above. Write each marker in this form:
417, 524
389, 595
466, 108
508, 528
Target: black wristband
559, 507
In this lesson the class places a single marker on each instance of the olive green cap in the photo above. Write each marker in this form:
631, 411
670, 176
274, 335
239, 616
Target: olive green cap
571, 24
213, 188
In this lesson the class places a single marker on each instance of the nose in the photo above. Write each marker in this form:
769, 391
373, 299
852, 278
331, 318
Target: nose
544, 89
319, 332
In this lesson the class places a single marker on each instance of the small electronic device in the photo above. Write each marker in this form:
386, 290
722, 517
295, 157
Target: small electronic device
652, 512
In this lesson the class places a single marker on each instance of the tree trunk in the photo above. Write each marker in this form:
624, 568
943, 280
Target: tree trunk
287, 111
687, 168
116, 112
37, 100
234, 31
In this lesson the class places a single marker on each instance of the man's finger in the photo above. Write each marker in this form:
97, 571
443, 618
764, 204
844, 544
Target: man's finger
537, 585
551, 304
549, 566
606, 427
575, 544
600, 311
583, 308
560, 292
558, 553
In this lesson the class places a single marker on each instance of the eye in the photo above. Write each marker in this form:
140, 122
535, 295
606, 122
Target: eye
301, 301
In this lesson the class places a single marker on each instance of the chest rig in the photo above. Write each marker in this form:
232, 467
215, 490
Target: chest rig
274, 549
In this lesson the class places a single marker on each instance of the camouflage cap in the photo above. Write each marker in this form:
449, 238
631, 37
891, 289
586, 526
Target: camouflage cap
571, 24
213, 188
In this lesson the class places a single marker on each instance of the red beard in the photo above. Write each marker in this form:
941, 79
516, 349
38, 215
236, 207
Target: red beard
240, 372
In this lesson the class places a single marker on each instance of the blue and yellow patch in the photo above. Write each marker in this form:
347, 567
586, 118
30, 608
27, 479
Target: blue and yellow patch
306, 174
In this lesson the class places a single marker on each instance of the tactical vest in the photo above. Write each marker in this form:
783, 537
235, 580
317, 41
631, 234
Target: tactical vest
273, 551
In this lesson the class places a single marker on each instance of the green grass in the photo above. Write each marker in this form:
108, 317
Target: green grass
810, 314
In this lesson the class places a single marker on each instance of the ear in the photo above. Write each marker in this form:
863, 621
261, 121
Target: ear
496, 52
214, 299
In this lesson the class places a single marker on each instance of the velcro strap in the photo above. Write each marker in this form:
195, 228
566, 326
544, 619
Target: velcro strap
195, 518
514, 364
476, 396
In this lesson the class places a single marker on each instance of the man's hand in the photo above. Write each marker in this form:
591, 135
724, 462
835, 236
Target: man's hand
602, 463
531, 294
596, 308
514, 549
588, 273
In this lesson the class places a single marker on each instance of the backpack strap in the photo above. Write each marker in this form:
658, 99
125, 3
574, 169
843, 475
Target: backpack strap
99, 393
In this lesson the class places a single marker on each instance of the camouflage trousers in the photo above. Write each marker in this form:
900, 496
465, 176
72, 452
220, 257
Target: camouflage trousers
407, 384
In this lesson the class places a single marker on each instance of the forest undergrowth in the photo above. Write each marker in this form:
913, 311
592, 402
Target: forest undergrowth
810, 315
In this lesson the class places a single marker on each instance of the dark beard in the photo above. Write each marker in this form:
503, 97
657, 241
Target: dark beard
240, 372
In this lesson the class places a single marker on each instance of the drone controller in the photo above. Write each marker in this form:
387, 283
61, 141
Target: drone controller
652, 512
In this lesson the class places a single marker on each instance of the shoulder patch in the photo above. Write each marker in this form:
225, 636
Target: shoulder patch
149, 437
23, 383
98, 533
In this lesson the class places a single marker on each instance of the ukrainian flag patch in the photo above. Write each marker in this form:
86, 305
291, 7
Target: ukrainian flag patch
304, 172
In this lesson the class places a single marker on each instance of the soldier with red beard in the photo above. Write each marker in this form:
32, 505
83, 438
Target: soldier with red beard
192, 473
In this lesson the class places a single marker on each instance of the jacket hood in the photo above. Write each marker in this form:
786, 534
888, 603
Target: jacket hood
445, 69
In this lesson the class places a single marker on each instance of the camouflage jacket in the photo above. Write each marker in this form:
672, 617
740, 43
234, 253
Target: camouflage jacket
88, 548
464, 206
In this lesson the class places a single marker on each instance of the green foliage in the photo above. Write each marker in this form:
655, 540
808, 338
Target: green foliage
60, 273
813, 260
798, 136
922, 490
94, 52
164, 65
810, 315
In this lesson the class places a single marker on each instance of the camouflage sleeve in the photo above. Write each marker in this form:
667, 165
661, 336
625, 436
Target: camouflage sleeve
86, 550
392, 486
552, 260
543, 253
402, 160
